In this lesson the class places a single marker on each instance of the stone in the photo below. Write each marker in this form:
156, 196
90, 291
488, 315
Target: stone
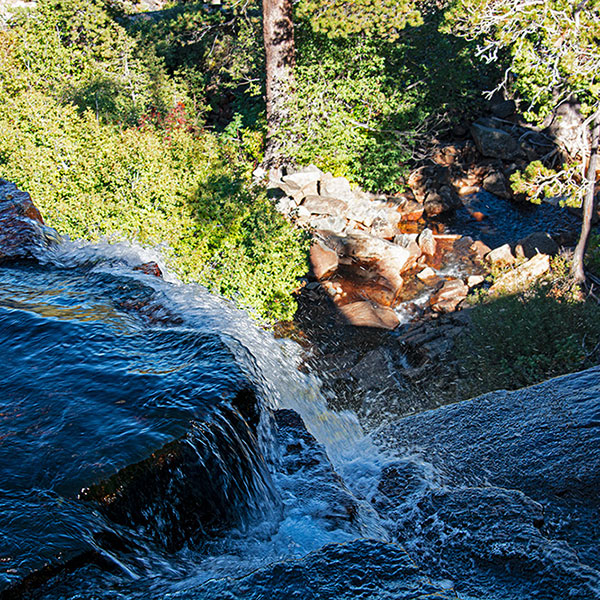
449, 296
292, 191
362, 211
411, 211
384, 228
494, 143
462, 245
427, 242
259, 173
536, 243
366, 314
467, 190
321, 205
303, 213
479, 250
406, 239
334, 224
324, 260
522, 276
285, 205
566, 127
302, 179
504, 108
428, 276
149, 268
501, 256
474, 280
367, 248
496, 183
22, 230
335, 187
441, 201
434, 204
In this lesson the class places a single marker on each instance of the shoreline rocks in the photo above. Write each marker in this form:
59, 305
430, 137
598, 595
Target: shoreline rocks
23, 234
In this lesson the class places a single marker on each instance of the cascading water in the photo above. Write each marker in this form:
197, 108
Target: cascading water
150, 447
134, 440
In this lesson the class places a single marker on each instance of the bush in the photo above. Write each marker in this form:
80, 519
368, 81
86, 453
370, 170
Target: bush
519, 340
137, 170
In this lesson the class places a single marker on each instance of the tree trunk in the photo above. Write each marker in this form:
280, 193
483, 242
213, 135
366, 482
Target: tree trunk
278, 33
588, 204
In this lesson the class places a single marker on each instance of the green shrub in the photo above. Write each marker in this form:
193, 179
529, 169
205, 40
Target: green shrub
137, 170
516, 341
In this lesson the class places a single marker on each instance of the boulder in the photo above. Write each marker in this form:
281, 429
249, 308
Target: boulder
367, 248
385, 225
427, 242
335, 187
428, 276
366, 314
449, 296
411, 211
504, 108
493, 142
440, 201
307, 181
362, 211
324, 260
479, 250
321, 205
149, 268
496, 183
536, 243
522, 276
474, 280
334, 224
501, 256
22, 230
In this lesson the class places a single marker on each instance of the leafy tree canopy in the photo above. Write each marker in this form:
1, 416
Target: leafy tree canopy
553, 47
340, 18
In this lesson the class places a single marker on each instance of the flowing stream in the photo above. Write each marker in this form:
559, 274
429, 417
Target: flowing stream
150, 448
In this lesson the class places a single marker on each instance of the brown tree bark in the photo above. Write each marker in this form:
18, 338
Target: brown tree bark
278, 34
588, 204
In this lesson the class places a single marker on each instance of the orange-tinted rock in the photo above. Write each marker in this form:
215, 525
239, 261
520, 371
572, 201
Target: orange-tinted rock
22, 229
478, 216
449, 296
411, 211
366, 314
480, 250
149, 268
324, 260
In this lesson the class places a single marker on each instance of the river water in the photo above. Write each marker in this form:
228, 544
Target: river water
148, 449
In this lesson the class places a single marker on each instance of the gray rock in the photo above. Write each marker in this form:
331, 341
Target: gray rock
504, 109
497, 184
537, 242
333, 224
335, 187
493, 142
427, 242
320, 205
